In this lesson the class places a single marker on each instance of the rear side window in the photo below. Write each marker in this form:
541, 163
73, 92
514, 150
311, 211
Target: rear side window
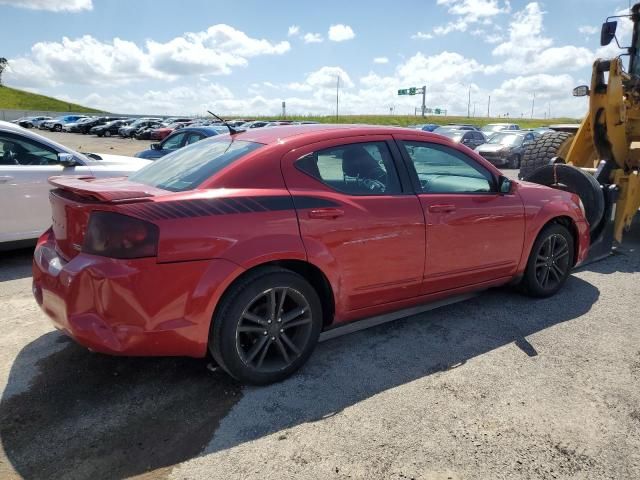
188, 167
356, 169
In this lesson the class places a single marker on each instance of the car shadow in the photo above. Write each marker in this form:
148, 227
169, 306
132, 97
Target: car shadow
81, 415
15, 264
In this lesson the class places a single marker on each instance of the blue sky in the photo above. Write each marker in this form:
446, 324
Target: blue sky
247, 57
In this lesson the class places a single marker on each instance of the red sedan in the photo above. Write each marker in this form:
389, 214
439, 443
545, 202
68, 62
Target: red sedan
250, 245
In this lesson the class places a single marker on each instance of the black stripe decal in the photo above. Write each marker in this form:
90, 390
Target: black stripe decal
203, 207
302, 202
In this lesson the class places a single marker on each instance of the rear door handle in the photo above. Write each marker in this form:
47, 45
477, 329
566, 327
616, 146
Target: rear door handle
326, 213
442, 208
5, 179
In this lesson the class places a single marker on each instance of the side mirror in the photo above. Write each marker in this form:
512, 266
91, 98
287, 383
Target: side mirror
608, 32
504, 185
156, 146
66, 159
581, 91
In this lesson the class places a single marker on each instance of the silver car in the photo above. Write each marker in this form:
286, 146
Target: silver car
27, 160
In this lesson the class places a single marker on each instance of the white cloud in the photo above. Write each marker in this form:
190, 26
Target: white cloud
588, 29
469, 12
312, 38
86, 60
421, 36
293, 31
340, 33
51, 5
381, 60
527, 50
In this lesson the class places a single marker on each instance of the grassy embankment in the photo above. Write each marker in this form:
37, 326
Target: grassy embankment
14, 99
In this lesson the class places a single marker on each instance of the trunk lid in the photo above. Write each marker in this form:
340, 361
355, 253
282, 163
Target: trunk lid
74, 198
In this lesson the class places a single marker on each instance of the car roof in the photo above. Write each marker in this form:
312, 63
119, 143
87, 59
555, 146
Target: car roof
320, 131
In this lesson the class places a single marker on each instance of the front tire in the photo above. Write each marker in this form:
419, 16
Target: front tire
107, 133
550, 262
514, 162
266, 327
57, 128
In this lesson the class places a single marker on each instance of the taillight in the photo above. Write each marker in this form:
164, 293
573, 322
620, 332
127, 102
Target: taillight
119, 236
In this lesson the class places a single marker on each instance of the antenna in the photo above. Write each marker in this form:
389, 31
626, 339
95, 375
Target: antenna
232, 131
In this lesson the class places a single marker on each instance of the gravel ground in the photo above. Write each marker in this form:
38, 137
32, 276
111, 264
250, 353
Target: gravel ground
94, 144
499, 386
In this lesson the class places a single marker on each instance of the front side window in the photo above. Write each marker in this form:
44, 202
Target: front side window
19, 151
187, 168
441, 169
173, 142
356, 169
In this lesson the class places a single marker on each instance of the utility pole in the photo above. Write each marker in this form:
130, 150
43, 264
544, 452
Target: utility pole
424, 97
284, 109
337, 96
489, 107
533, 103
469, 103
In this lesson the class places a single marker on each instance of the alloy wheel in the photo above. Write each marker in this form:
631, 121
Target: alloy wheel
274, 329
552, 261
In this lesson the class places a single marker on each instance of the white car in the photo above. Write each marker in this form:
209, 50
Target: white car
27, 160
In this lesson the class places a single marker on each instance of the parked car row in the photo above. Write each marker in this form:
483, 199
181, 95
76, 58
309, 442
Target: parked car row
502, 144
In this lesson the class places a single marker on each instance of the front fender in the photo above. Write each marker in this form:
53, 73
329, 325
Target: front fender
543, 205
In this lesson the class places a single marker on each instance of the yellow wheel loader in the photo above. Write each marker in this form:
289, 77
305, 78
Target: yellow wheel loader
600, 159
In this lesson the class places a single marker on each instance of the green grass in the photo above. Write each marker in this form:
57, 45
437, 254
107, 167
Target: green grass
404, 120
14, 99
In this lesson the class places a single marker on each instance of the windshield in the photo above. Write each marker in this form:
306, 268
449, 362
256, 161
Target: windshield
188, 167
453, 134
506, 139
492, 128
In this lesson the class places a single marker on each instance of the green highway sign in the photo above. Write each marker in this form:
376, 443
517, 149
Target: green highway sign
409, 91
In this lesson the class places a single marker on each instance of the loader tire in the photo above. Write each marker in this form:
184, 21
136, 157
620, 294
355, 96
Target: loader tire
541, 151
574, 180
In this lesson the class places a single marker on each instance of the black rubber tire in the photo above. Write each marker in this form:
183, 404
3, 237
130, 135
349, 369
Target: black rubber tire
57, 128
514, 162
541, 151
529, 284
222, 336
575, 180
107, 133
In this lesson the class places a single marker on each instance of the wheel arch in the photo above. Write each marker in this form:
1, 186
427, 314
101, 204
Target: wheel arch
310, 272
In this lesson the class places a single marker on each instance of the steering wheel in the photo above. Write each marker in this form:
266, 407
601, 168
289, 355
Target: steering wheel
10, 158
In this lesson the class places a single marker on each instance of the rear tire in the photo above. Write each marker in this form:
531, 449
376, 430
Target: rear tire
542, 150
266, 326
57, 128
550, 262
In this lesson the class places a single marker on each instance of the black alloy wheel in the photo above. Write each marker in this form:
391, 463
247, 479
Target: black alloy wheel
266, 326
550, 261
273, 329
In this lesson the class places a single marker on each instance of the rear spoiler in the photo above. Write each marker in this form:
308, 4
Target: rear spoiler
106, 190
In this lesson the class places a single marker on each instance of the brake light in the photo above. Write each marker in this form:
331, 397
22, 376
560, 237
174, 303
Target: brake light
115, 235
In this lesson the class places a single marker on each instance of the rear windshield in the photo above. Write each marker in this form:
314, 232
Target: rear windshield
188, 167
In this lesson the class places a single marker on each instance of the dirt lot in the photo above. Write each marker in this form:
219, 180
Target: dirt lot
93, 144
497, 387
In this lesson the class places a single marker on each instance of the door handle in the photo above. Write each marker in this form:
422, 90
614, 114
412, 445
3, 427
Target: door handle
442, 208
5, 179
326, 213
